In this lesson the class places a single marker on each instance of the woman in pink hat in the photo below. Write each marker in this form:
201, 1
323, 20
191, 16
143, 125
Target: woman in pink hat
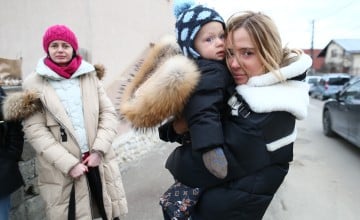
72, 132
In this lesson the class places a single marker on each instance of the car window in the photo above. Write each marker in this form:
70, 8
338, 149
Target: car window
322, 82
338, 81
312, 80
352, 93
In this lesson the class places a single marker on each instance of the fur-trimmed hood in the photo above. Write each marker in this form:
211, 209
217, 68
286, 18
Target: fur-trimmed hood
20, 105
161, 86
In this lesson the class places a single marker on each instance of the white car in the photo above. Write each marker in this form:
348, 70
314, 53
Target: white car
329, 85
313, 81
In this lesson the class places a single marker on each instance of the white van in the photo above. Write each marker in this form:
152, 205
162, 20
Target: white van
329, 85
313, 81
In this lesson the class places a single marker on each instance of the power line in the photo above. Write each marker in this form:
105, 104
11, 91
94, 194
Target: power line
337, 10
334, 13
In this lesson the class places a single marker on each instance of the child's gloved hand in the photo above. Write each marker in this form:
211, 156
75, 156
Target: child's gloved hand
215, 161
180, 125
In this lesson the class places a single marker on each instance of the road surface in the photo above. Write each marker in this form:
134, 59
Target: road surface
322, 184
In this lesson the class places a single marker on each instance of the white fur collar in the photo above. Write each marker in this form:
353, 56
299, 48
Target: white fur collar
291, 96
265, 93
294, 69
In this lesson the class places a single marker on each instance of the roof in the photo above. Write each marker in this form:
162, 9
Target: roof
349, 45
335, 75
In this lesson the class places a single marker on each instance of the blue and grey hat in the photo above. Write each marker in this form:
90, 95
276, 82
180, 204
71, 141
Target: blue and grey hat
189, 19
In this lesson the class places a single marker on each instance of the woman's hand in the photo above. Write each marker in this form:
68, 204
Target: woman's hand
78, 170
93, 160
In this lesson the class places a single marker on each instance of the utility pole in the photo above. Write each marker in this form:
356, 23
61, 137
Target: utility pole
312, 45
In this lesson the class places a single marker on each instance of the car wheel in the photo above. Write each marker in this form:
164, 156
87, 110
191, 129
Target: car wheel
327, 124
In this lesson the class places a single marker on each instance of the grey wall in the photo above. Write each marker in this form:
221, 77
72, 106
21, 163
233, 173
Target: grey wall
111, 32
115, 33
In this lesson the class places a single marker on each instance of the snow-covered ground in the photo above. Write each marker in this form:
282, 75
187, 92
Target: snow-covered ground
132, 145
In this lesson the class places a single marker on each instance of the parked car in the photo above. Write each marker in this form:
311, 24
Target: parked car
341, 115
312, 81
329, 85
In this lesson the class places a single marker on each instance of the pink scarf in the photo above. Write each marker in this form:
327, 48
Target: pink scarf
64, 71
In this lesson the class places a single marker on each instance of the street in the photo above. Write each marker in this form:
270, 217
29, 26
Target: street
323, 181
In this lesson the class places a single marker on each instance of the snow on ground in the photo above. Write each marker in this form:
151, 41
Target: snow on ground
133, 145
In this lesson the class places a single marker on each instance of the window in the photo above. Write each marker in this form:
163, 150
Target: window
338, 81
352, 93
334, 53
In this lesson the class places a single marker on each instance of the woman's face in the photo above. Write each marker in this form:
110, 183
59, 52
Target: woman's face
242, 57
60, 52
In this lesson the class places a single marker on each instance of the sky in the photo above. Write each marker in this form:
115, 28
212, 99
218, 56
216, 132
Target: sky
302, 23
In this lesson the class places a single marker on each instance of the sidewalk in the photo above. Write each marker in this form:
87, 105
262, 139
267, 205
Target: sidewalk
145, 180
145, 177
142, 158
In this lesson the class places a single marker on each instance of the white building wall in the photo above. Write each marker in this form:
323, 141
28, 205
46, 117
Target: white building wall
356, 65
334, 54
111, 32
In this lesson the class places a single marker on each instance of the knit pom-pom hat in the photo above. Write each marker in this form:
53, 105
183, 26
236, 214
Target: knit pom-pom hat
189, 19
59, 32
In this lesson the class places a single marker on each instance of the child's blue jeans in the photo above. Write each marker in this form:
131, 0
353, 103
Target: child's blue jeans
4, 207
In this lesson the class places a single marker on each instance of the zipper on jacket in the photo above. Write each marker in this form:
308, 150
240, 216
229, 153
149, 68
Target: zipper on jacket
63, 135
62, 126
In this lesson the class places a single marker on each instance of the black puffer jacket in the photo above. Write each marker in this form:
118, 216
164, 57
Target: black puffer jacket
247, 137
204, 113
244, 146
259, 129
11, 147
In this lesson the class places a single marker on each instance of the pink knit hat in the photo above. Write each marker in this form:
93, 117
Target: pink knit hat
59, 32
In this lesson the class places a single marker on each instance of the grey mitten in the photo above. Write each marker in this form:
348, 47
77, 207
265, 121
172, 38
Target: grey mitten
215, 161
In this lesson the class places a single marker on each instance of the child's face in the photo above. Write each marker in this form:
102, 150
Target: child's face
210, 41
60, 52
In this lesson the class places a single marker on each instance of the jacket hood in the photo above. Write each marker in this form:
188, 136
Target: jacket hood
100, 71
160, 87
45, 71
290, 96
20, 105
265, 93
293, 70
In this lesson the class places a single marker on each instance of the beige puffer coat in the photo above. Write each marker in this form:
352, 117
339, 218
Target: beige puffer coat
44, 115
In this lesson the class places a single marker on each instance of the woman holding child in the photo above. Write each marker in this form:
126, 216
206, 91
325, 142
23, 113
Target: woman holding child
259, 129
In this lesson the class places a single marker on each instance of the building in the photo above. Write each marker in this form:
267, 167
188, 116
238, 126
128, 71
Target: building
318, 62
342, 55
113, 33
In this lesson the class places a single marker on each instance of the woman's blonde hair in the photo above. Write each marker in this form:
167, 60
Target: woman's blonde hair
266, 39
